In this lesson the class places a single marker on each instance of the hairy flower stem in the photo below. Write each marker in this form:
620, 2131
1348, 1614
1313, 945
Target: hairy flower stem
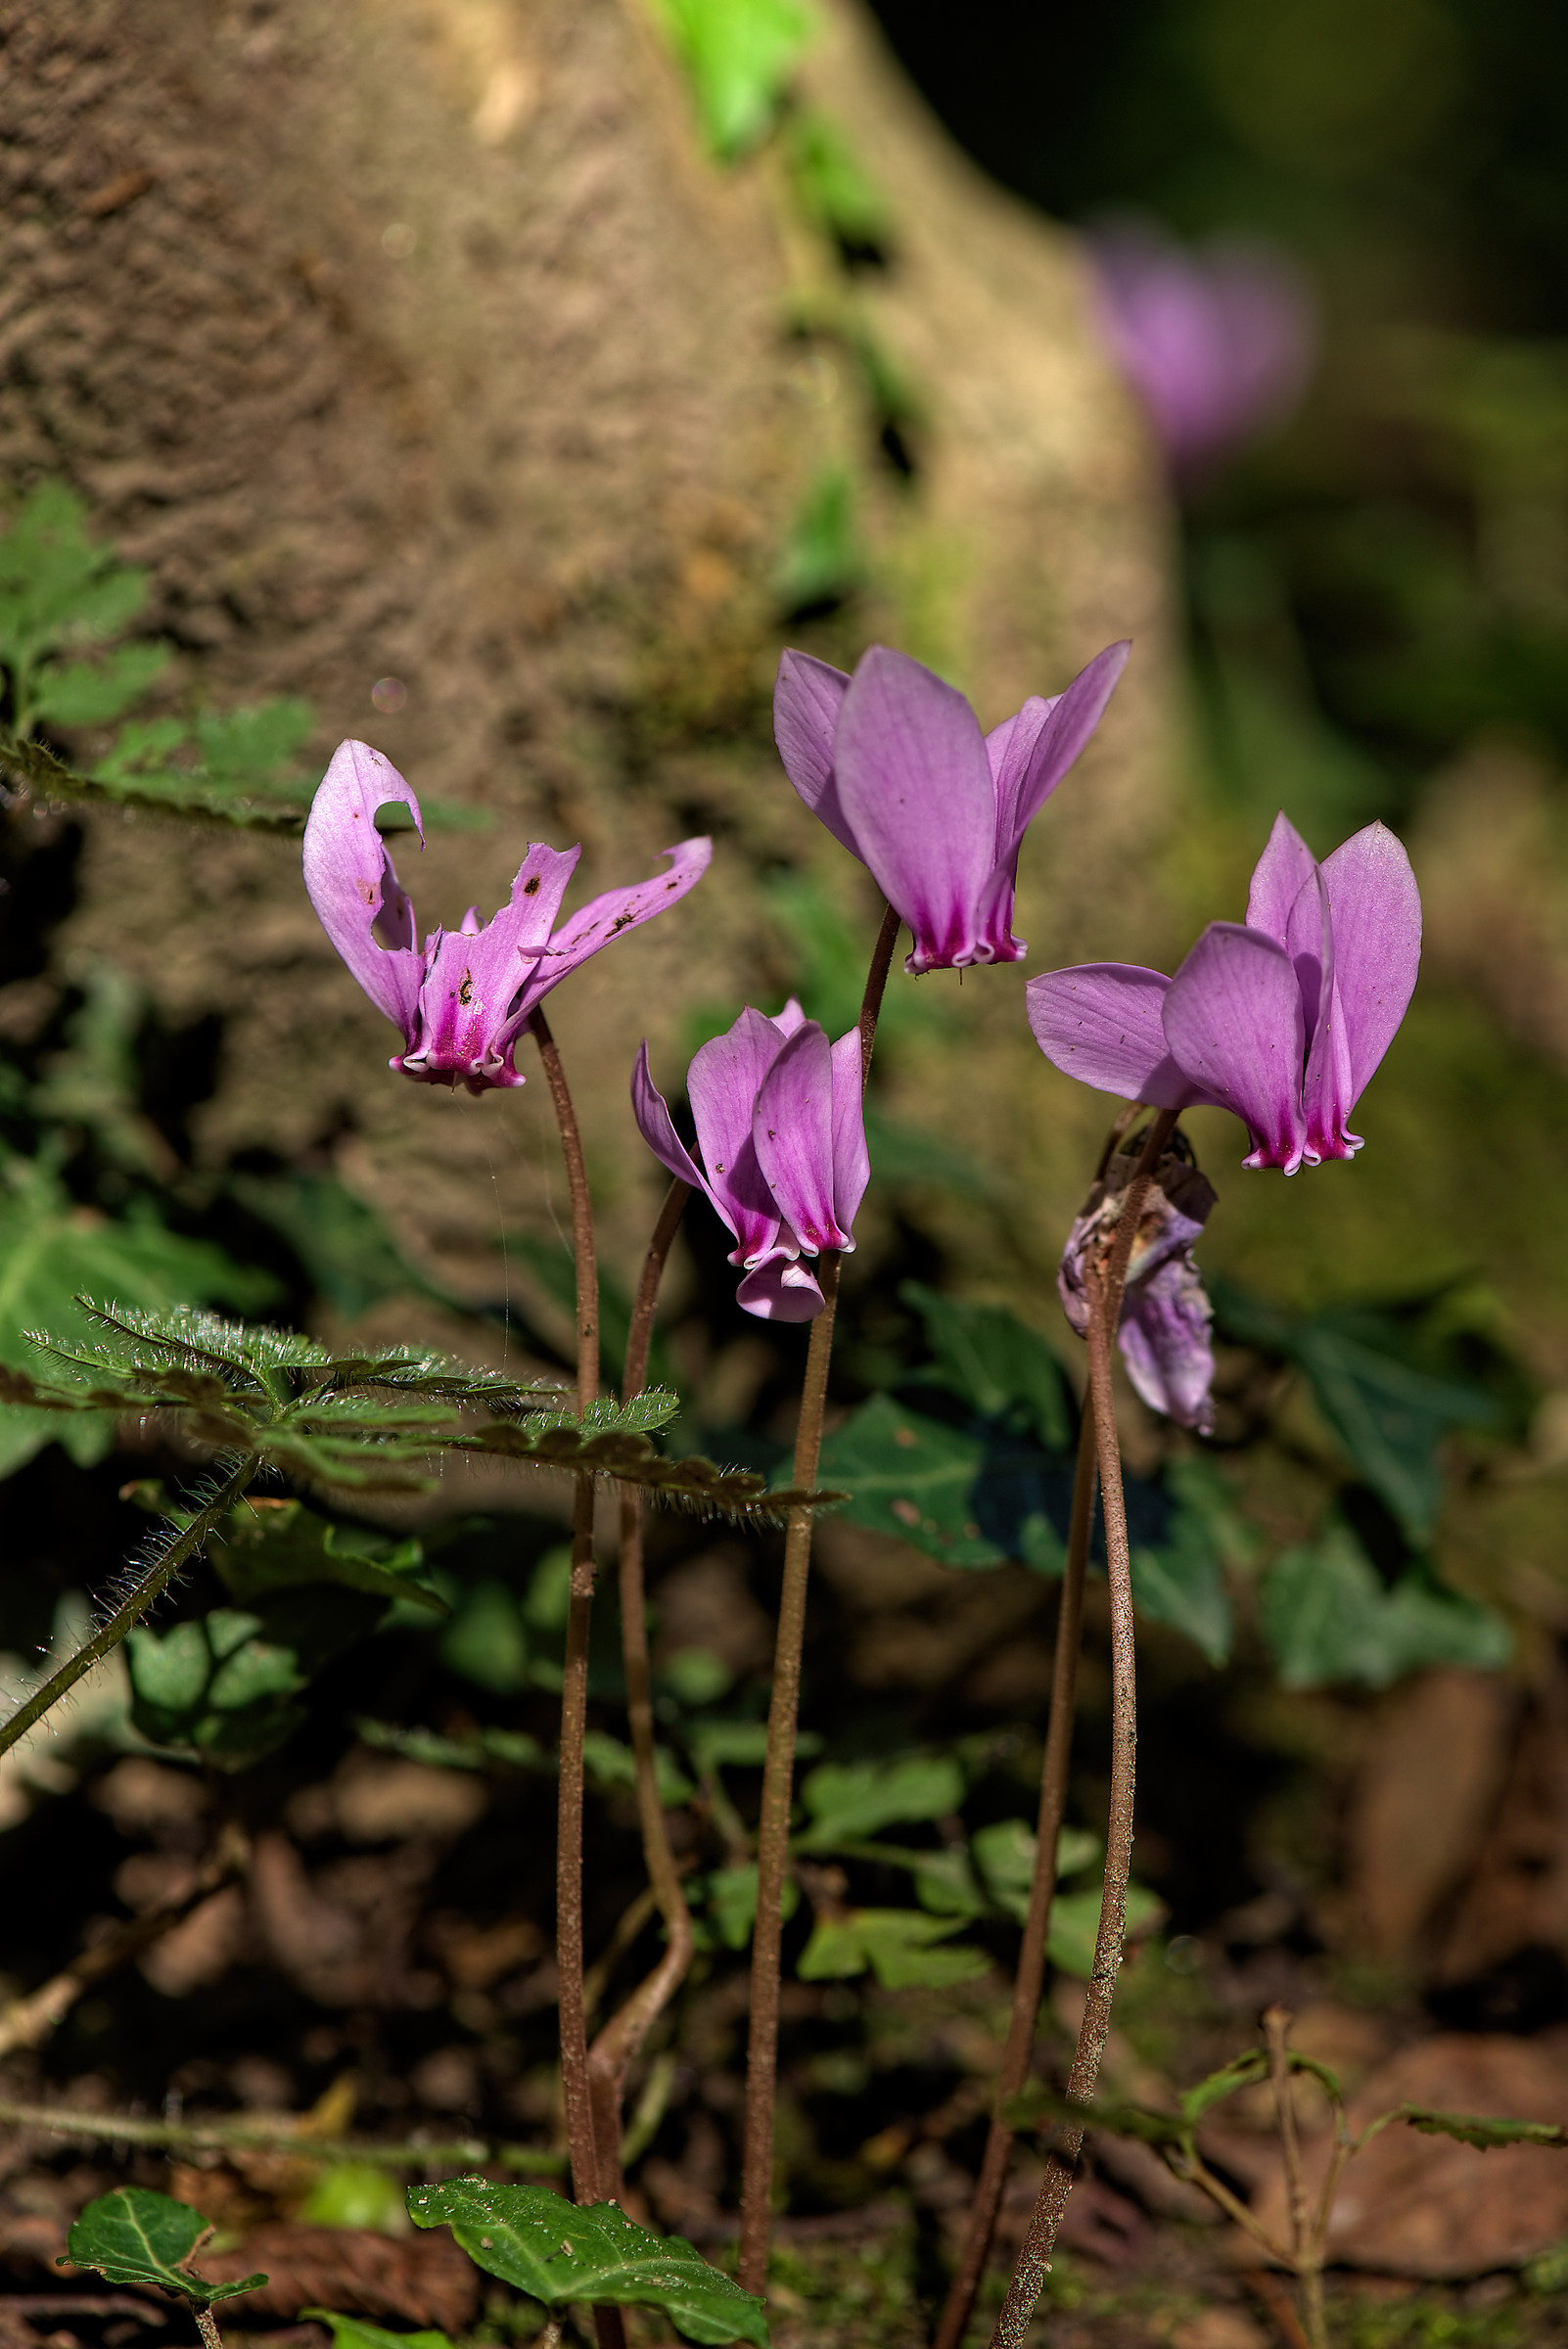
1029, 1980
774, 1825
185, 1545
778, 1769
618, 2043
1105, 1305
876, 982
575, 1684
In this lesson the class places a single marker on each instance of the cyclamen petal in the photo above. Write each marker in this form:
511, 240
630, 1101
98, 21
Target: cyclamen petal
1101, 1023
350, 881
1233, 1021
1164, 1332
893, 761
463, 998
1283, 1019
781, 1141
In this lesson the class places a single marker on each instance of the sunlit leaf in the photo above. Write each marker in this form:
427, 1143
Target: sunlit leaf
896, 1944
738, 56
593, 2256
847, 1801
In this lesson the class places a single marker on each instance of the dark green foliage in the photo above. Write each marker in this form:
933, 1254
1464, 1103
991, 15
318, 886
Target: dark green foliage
996, 1364
352, 2333
52, 1252
823, 560
593, 2256
60, 592
1391, 1382
896, 1944
831, 185
135, 2236
1327, 1615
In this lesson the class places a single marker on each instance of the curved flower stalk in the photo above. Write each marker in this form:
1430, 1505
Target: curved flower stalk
781, 1134
1282, 1019
1217, 342
894, 762
464, 997
1165, 1333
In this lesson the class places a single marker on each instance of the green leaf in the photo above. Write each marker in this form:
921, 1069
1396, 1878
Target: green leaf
847, 1801
350, 1255
911, 1477
730, 1898
51, 1251
896, 1944
1242, 2071
593, 2256
93, 693
831, 186
997, 1362
610, 1764
57, 588
738, 56
285, 1546
1036, 2103
256, 746
136, 2236
1075, 1925
1327, 1616
1482, 2129
1005, 1851
352, 2333
1389, 1415
355, 2193
822, 562
166, 791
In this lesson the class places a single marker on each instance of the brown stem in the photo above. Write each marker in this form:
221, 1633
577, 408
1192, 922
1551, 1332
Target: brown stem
568, 1939
619, 2042
876, 981
1306, 2255
1105, 1305
206, 2326
774, 1825
1029, 1979
1276, 2300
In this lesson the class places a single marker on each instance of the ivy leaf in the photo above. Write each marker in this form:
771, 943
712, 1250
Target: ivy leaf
997, 1362
1005, 1851
593, 2256
1075, 1925
1482, 2128
1327, 1616
730, 1898
896, 1944
352, 2333
913, 1478
738, 56
849, 1801
136, 2236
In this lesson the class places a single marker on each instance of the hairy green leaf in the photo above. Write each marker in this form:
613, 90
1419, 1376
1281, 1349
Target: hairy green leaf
593, 2256
136, 2236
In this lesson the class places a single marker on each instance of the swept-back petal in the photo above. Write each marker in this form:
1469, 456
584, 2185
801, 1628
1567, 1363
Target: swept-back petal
1166, 1343
722, 1084
807, 699
914, 785
851, 1161
783, 1289
1100, 1023
350, 882
657, 1129
1375, 909
472, 977
792, 1130
1276, 880
604, 919
1232, 1019
1038, 753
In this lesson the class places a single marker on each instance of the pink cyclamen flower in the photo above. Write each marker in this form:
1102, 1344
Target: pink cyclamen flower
1218, 342
464, 997
782, 1139
1166, 1332
1282, 1019
894, 762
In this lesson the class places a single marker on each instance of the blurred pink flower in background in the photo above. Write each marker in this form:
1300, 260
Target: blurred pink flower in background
1217, 341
